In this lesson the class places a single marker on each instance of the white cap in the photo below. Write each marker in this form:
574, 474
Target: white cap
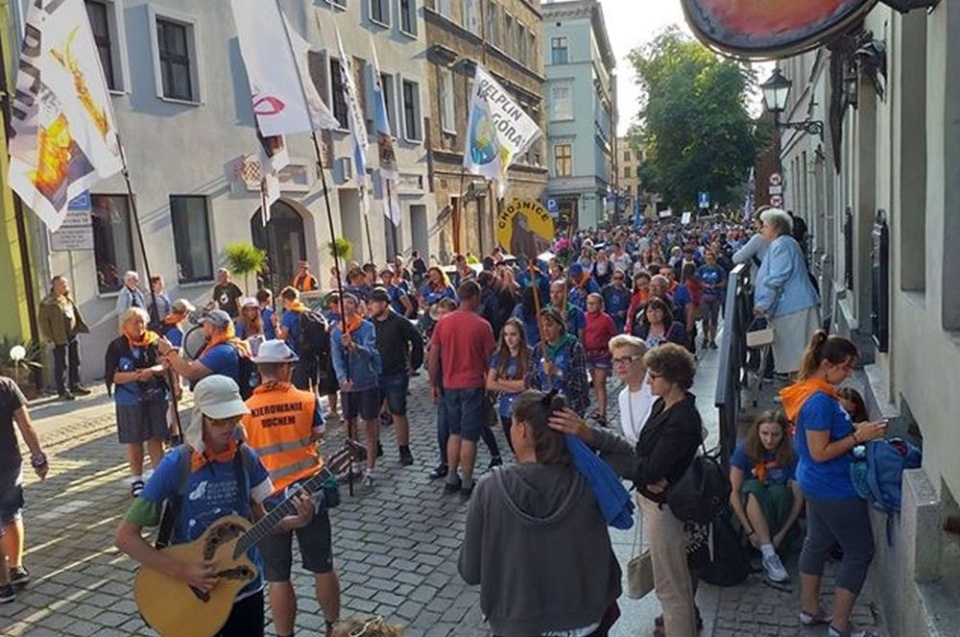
275, 351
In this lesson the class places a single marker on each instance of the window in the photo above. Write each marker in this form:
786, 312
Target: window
563, 160
112, 240
471, 16
558, 50
100, 23
510, 38
386, 82
531, 60
411, 110
448, 120
173, 48
626, 155
336, 90
380, 12
626, 172
521, 43
408, 16
190, 219
492, 24
444, 8
561, 102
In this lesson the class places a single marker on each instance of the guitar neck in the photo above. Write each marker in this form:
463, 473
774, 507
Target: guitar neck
266, 525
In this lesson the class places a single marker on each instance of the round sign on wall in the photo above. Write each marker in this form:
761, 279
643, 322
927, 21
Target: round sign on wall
776, 201
776, 179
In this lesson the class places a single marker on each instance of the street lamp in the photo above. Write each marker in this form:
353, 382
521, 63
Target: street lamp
775, 92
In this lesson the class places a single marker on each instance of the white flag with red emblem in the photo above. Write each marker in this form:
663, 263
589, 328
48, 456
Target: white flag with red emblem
285, 100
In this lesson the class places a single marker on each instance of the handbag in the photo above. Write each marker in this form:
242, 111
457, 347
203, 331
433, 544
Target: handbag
759, 333
702, 491
640, 566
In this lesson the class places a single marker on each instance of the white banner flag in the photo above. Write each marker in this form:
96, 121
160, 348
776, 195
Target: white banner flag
498, 130
358, 127
284, 98
64, 136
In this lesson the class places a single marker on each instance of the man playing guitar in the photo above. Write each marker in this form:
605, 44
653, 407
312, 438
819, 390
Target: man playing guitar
225, 478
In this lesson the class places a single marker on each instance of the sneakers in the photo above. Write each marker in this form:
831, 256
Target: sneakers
367, 485
78, 390
19, 577
441, 471
7, 594
65, 396
820, 618
136, 487
452, 487
406, 458
774, 569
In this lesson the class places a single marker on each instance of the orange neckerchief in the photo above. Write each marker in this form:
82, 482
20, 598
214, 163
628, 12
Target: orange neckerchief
762, 469
198, 460
794, 396
228, 336
171, 320
353, 323
297, 306
146, 340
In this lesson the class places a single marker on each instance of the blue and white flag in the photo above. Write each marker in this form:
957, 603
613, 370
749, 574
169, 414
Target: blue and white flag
386, 152
358, 128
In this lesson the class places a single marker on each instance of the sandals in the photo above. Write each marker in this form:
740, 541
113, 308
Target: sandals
820, 618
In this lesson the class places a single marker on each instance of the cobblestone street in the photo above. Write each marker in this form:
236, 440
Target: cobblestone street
395, 549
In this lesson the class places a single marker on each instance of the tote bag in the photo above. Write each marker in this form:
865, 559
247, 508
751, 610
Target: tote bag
640, 566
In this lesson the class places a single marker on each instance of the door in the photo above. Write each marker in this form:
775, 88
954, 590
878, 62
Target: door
283, 239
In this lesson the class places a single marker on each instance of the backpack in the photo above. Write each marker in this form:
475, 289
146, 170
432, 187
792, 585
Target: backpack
728, 565
313, 341
244, 464
877, 478
702, 492
249, 378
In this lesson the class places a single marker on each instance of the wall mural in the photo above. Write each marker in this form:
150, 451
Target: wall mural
770, 28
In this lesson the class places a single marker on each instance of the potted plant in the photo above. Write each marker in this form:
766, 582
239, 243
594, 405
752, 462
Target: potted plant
340, 248
245, 259
20, 360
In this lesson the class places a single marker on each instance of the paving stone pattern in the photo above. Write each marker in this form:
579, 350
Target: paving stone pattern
395, 549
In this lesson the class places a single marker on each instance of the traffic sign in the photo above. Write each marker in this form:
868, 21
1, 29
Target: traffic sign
703, 199
553, 205
776, 179
776, 190
776, 201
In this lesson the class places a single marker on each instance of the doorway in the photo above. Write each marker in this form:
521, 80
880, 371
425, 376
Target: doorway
283, 239
419, 230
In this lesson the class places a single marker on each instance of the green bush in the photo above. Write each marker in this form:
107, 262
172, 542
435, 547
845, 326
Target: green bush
244, 258
340, 248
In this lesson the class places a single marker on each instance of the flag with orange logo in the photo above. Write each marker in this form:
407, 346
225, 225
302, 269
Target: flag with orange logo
64, 136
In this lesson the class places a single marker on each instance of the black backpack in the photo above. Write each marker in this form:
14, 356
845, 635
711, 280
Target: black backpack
701, 492
314, 339
249, 377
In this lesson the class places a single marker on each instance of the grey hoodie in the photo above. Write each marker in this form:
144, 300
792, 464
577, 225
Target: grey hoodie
538, 545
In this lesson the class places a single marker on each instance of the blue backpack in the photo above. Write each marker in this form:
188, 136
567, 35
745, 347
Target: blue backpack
878, 476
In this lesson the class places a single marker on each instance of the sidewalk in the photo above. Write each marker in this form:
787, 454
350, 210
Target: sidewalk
395, 550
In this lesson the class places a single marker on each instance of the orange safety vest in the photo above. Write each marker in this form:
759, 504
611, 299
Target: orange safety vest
279, 428
305, 283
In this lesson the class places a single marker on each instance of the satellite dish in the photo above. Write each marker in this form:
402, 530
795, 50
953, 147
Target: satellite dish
18, 353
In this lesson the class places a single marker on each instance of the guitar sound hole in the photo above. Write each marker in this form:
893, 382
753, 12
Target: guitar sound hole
221, 534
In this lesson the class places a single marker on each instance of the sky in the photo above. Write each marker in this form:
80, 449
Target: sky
631, 23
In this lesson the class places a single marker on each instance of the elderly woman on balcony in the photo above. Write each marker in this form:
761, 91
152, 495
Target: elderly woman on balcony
784, 292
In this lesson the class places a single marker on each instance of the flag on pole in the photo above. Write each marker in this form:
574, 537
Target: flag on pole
358, 127
285, 101
64, 136
748, 200
498, 130
381, 122
273, 158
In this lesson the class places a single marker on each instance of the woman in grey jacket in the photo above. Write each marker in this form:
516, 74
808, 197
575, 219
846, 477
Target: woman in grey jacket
536, 541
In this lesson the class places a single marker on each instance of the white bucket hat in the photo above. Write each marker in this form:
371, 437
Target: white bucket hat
215, 397
275, 351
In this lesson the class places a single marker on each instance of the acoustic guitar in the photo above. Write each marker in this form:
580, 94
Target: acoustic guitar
175, 609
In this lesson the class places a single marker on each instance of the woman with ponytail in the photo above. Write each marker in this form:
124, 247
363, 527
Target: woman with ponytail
824, 437
536, 540
133, 366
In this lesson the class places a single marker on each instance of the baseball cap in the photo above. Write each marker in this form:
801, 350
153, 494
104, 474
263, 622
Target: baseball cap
218, 397
576, 269
181, 306
249, 301
275, 351
379, 294
218, 318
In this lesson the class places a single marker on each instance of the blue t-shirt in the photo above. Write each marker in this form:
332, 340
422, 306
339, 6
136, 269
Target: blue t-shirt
269, 331
128, 394
174, 335
530, 325
290, 321
505, 399
617, 302
576, 320
823, 480
432, 296
775, 475
222, 359
396, 293
213, 492
711, 276
682, 297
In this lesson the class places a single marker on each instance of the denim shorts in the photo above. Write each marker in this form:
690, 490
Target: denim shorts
394, 390
465, 412
11, 497
364, 403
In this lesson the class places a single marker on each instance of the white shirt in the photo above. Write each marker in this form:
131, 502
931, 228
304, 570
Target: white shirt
635, 408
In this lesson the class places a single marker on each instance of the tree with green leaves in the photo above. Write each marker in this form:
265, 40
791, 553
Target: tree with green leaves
694, 126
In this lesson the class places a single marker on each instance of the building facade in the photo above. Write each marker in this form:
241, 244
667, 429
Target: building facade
582, 116
182, 103
504, 36
879, 192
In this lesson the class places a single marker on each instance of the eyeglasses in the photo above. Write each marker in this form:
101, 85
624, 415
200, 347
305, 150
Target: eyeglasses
626, 360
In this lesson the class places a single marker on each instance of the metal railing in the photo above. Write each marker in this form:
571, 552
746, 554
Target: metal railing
731, 379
